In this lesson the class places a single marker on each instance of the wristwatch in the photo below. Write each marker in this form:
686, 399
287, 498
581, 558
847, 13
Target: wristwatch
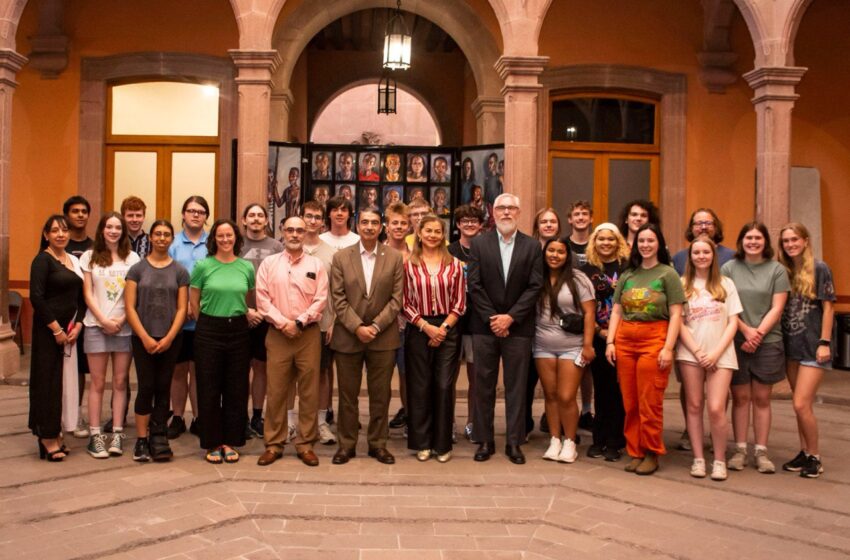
824, 342
299, 324
446, 326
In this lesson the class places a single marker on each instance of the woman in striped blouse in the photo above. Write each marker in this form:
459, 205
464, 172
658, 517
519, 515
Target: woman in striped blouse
434, 300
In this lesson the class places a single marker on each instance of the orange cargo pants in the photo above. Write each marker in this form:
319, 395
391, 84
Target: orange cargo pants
642, 384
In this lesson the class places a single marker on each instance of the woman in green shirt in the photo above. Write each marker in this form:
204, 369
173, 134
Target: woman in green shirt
220, 286
642, 334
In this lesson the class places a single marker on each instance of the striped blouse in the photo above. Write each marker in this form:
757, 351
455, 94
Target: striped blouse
427, 294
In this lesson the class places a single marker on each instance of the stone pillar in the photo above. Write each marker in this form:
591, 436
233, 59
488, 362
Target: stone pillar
254, 86
774, 99
281, 104
489, 119
10, 64
521, 91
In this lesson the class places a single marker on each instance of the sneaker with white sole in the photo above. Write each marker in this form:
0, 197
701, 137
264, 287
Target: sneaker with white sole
684, 442
290, 436
116, 444
738, 460
326, 436
554, 450
698, 468
97, 446
568, 452
813, 467
797, 463
763, 463
82, 429
718, 470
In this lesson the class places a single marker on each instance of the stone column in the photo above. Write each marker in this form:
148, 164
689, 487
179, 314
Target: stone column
10, 64
489, 119
254, 87
774, 99
521, 91
281, 104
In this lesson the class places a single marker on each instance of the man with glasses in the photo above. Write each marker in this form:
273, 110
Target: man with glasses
703, 222
292, 291
505, 277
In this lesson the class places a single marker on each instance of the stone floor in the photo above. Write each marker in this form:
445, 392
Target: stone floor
85, 508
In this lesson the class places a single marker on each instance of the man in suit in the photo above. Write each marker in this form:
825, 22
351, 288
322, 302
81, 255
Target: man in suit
367, 280
505, 277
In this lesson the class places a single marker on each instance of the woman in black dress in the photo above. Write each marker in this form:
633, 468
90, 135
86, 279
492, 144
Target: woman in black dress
56, 293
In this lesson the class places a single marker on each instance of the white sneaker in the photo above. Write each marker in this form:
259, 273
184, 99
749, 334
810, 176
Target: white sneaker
738, 460
763, 463
326, 436
82, 429
698, 468
290, 437
554, 449
568, 452
718, 470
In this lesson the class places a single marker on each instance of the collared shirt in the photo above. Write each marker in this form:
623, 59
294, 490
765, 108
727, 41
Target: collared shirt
440, 293
506, 249
291, 289
141, 245
187, 252
324, 253
368, 259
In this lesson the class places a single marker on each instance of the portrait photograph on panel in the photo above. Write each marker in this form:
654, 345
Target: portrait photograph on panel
440, 201
320, 192
368, 167
369, 199
284, 182
441, 168
416, 192
392, 167
477, 200
392, 194
346, 166
322, 166
417, 168
483, 167
347, 191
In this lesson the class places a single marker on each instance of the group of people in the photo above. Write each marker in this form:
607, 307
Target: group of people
220, 315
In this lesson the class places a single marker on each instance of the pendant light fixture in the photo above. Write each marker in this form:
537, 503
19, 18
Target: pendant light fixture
397, 42
387, 94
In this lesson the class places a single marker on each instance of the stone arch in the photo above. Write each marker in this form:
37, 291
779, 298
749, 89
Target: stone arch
255, 20
476, 43
520, 24
773, 39
435, 116
10, 17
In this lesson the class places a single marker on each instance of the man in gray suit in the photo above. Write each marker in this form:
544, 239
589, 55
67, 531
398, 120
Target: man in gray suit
367, 280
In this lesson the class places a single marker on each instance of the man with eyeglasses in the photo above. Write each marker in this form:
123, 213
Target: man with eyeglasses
292, 292
505, 277
703, 222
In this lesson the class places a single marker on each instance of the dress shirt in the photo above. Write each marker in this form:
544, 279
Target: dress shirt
291, 289
426, 294
324, 253
368, 259
506, 249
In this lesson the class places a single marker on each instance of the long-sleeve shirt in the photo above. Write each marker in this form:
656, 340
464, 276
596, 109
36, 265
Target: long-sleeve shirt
291, 289
427, 294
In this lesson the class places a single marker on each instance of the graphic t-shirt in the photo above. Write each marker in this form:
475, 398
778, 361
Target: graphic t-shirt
108, 288
578, 252
604, 283
803, 317
223, 286
646, 294
707, 318
156, 294
77, 248
255, 251
756, 284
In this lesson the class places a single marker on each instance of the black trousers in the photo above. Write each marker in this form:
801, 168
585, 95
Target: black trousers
515, 353
530, 389
607, 400
430, 375
154, 372
45, 418
222, 363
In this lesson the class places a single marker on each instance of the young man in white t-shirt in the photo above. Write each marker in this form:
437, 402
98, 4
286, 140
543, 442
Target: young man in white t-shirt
339, 236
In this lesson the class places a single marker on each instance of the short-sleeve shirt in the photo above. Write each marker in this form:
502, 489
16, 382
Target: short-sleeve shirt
187, 252
339, 242
255, 251
223, 286
803, 317
156, 294
707, 318
548, 334
757, 283
578, 252
604, 283
108, 288
646, 294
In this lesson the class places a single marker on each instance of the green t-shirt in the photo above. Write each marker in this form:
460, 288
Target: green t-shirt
223, 286
756, 284
646, 293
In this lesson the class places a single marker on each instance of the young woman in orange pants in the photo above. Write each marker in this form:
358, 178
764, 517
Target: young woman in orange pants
642, 334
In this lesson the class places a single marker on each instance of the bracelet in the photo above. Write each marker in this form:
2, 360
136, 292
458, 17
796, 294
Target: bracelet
57, 333
607, 343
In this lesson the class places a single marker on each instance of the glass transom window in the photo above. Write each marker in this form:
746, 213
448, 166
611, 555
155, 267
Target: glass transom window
603, 119
165, 109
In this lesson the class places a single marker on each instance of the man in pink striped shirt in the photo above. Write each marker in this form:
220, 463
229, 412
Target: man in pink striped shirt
292, 292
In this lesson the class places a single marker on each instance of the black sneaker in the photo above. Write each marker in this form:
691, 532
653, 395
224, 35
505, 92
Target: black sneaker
612, 454
797, 463
142, 452
399, 420
177, 427
813, 467
544, 424
329, 417
193, 428
585, 421
595, 451
107, 428
258, 426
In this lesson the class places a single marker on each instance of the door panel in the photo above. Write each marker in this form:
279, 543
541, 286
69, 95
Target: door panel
192, 173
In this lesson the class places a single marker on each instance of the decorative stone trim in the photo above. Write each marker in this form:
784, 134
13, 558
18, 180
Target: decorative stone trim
717, 70
483, 105
776, 83
11, 63
255, 67
509, 66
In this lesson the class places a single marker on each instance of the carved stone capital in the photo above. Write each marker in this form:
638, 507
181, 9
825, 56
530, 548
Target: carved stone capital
775, 83
11, 63
285, 98
509, 66
255, 67
484, 104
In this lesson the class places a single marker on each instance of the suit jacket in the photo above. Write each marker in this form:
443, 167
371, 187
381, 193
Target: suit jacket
491, 295
354, 308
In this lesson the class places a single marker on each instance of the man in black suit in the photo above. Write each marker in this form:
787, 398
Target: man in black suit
505, 278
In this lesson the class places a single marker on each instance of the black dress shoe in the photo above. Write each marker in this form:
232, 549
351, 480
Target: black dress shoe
342, 456
399, 420
485, 451
595, 451
515, 454
382, 455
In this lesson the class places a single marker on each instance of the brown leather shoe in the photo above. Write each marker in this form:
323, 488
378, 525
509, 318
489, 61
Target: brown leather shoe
268, 457
342, 456
309, 458
382, 455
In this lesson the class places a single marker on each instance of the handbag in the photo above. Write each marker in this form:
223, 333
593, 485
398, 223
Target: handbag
572, 323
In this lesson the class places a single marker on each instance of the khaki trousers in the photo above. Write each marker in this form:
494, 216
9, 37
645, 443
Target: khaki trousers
292, 360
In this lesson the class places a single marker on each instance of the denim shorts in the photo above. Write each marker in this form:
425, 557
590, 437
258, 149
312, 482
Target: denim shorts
568, 355
97, 342
815, 364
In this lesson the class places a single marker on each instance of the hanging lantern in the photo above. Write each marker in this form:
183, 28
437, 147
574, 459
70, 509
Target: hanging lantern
387, 95
397, 42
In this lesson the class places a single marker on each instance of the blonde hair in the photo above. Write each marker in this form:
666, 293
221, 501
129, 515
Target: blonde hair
714, 283
592, 255
416, 253
803, 278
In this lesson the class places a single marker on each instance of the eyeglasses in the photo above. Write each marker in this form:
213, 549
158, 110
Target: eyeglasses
510, 209
161, 234
704, 224
291, 230
195, 212
316, 217
469, 222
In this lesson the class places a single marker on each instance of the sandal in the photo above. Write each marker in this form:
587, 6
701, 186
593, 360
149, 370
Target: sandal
230, 454
214, 456
51, 456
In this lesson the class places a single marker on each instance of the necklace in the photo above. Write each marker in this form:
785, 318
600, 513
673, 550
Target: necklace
464, 250
63, 260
